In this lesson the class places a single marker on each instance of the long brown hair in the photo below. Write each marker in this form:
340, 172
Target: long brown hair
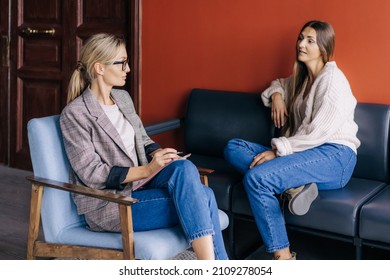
326, 43
98, 48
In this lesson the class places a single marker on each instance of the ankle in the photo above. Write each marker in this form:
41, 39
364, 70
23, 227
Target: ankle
292, 256
284, 255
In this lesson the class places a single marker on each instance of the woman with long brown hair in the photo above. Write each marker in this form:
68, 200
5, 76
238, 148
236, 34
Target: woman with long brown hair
314, 108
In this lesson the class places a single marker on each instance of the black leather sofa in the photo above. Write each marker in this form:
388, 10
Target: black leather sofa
358, 214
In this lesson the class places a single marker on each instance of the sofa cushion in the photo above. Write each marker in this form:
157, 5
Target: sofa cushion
334, 211
337, 211
213, 117
373, 154
375, 218
240, 203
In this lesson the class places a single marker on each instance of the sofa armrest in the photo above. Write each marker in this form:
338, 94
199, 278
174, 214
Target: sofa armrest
161, 127
108, 196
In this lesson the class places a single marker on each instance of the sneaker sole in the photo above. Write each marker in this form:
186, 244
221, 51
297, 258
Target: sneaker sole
301, 203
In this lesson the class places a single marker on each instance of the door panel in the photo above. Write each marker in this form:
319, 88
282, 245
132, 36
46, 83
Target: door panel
4, 81
38, 71
48, 36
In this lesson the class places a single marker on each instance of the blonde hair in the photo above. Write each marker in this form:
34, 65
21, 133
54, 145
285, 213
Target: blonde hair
100, 48
326, 44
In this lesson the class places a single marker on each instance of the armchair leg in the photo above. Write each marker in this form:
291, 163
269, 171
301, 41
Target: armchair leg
127, 231
35, 215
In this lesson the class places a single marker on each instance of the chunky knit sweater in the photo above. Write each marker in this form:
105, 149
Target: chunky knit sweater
325, 116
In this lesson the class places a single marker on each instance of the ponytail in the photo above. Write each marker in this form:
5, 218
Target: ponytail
77, 83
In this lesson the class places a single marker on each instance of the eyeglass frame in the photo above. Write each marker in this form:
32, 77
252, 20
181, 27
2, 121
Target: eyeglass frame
124, 63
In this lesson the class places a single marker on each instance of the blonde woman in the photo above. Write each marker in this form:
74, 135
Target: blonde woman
108, 149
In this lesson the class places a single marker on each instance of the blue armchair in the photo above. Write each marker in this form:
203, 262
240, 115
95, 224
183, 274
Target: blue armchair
65, 232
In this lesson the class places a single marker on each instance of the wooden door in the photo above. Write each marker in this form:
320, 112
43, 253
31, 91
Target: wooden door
48, 35
4, 80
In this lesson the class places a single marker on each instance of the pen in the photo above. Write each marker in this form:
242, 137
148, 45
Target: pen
178, 153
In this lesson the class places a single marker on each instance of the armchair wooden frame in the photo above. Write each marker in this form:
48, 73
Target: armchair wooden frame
36, 248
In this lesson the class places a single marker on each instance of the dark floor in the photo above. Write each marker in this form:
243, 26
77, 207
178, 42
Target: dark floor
309, 247
14, 213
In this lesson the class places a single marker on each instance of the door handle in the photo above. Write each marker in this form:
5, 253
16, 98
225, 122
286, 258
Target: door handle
30, 31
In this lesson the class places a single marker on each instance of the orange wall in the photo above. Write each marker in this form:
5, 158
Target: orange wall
243, 44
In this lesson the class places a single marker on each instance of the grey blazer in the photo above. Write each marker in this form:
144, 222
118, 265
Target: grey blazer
94, 146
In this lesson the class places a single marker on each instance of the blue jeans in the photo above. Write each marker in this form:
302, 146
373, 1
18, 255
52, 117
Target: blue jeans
329, 165
176, 195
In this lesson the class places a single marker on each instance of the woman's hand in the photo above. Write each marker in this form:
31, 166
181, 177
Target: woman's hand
279, 110
161, 157
263, 157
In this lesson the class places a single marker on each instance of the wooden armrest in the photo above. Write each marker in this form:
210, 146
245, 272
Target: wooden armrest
204, 172
117, 198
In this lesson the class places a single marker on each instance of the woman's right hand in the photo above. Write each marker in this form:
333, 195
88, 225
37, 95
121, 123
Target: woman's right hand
161, 158
279, 110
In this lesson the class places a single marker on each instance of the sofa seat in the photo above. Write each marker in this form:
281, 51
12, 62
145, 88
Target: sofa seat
337, 211
375, 219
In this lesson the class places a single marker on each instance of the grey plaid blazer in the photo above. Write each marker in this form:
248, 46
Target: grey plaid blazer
94, 146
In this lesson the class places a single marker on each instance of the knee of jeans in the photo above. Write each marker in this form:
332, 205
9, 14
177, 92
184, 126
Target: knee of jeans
253, 180
231, 145
183, 164
186, 167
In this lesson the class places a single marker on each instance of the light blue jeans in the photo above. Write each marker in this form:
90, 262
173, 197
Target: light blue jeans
329, 165
176, 195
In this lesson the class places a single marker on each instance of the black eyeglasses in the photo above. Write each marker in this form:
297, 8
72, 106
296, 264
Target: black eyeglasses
124, 63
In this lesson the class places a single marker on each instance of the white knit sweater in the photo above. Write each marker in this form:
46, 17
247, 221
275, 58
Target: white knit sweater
328, 115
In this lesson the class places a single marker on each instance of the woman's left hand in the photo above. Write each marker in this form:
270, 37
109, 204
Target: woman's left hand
278, 110
263, 157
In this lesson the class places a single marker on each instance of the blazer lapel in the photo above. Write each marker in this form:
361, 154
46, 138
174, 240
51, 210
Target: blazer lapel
127, 109
104, 122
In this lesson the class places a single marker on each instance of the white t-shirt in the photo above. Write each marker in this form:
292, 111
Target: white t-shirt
124, 128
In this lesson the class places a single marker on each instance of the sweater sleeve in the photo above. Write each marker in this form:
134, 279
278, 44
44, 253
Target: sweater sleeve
279, 85
332, 106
